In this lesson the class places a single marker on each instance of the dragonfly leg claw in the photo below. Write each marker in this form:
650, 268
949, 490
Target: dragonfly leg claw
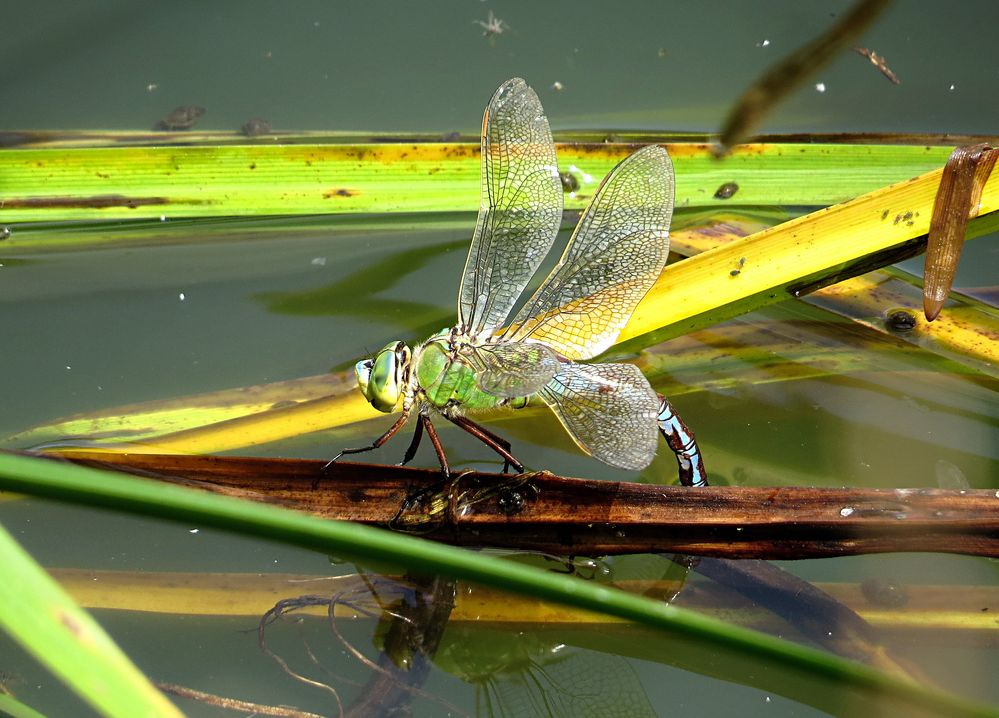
497, 443
392, 431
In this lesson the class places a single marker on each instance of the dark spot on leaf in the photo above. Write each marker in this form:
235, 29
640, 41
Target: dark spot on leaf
726, 190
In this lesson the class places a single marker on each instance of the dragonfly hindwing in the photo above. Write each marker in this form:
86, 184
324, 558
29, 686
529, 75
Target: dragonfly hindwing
513, 369
608, 409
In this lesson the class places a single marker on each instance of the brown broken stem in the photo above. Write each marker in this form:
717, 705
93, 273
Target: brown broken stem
958, 200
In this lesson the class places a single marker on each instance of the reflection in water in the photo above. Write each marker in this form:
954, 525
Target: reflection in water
413, 614
526, 674
516, 673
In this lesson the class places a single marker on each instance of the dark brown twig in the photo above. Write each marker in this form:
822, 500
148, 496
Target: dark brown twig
594, 518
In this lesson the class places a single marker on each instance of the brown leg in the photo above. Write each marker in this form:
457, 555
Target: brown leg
413, 445
435, 440
392, 431
499, 445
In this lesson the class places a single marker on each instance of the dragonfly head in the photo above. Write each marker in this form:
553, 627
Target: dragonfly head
382, 380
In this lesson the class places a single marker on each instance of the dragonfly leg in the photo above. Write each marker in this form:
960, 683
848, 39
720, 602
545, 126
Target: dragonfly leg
436, 442
413, 445
497, 443
392, 431
681, 440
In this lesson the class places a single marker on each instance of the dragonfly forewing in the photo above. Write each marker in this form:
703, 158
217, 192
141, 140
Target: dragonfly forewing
609, 410
520, 207
612, 260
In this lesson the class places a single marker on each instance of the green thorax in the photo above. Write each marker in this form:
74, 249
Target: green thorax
445, 379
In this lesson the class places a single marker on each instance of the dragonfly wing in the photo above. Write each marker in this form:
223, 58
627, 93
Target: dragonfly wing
512, 370
520, 207
612, 260
608, 409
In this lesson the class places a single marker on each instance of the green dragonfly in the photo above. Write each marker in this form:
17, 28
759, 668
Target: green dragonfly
611, 261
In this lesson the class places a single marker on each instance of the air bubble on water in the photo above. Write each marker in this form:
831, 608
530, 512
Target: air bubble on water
950, 476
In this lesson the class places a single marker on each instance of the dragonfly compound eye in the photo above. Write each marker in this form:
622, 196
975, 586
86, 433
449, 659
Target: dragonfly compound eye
382, 383
362, 370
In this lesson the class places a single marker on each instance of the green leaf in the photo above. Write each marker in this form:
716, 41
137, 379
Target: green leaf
42, 617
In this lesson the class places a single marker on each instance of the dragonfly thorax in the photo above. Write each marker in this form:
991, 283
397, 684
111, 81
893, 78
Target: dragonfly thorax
383, 379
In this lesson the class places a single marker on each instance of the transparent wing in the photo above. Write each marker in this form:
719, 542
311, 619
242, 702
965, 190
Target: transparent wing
512, 370
608, 409
520, 207
612, 260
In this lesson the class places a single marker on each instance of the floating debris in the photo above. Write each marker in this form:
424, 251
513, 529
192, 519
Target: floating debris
182, 118
255, 126
820, 86
558, 86
492, 26
569, 181
879, 62
900, 320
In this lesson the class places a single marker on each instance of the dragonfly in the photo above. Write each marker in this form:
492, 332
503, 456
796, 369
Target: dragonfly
485, 362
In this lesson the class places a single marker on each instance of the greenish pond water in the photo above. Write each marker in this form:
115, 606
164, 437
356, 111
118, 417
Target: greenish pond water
87, 329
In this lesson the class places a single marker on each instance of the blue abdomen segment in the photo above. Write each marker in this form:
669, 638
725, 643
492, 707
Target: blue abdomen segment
681, 440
